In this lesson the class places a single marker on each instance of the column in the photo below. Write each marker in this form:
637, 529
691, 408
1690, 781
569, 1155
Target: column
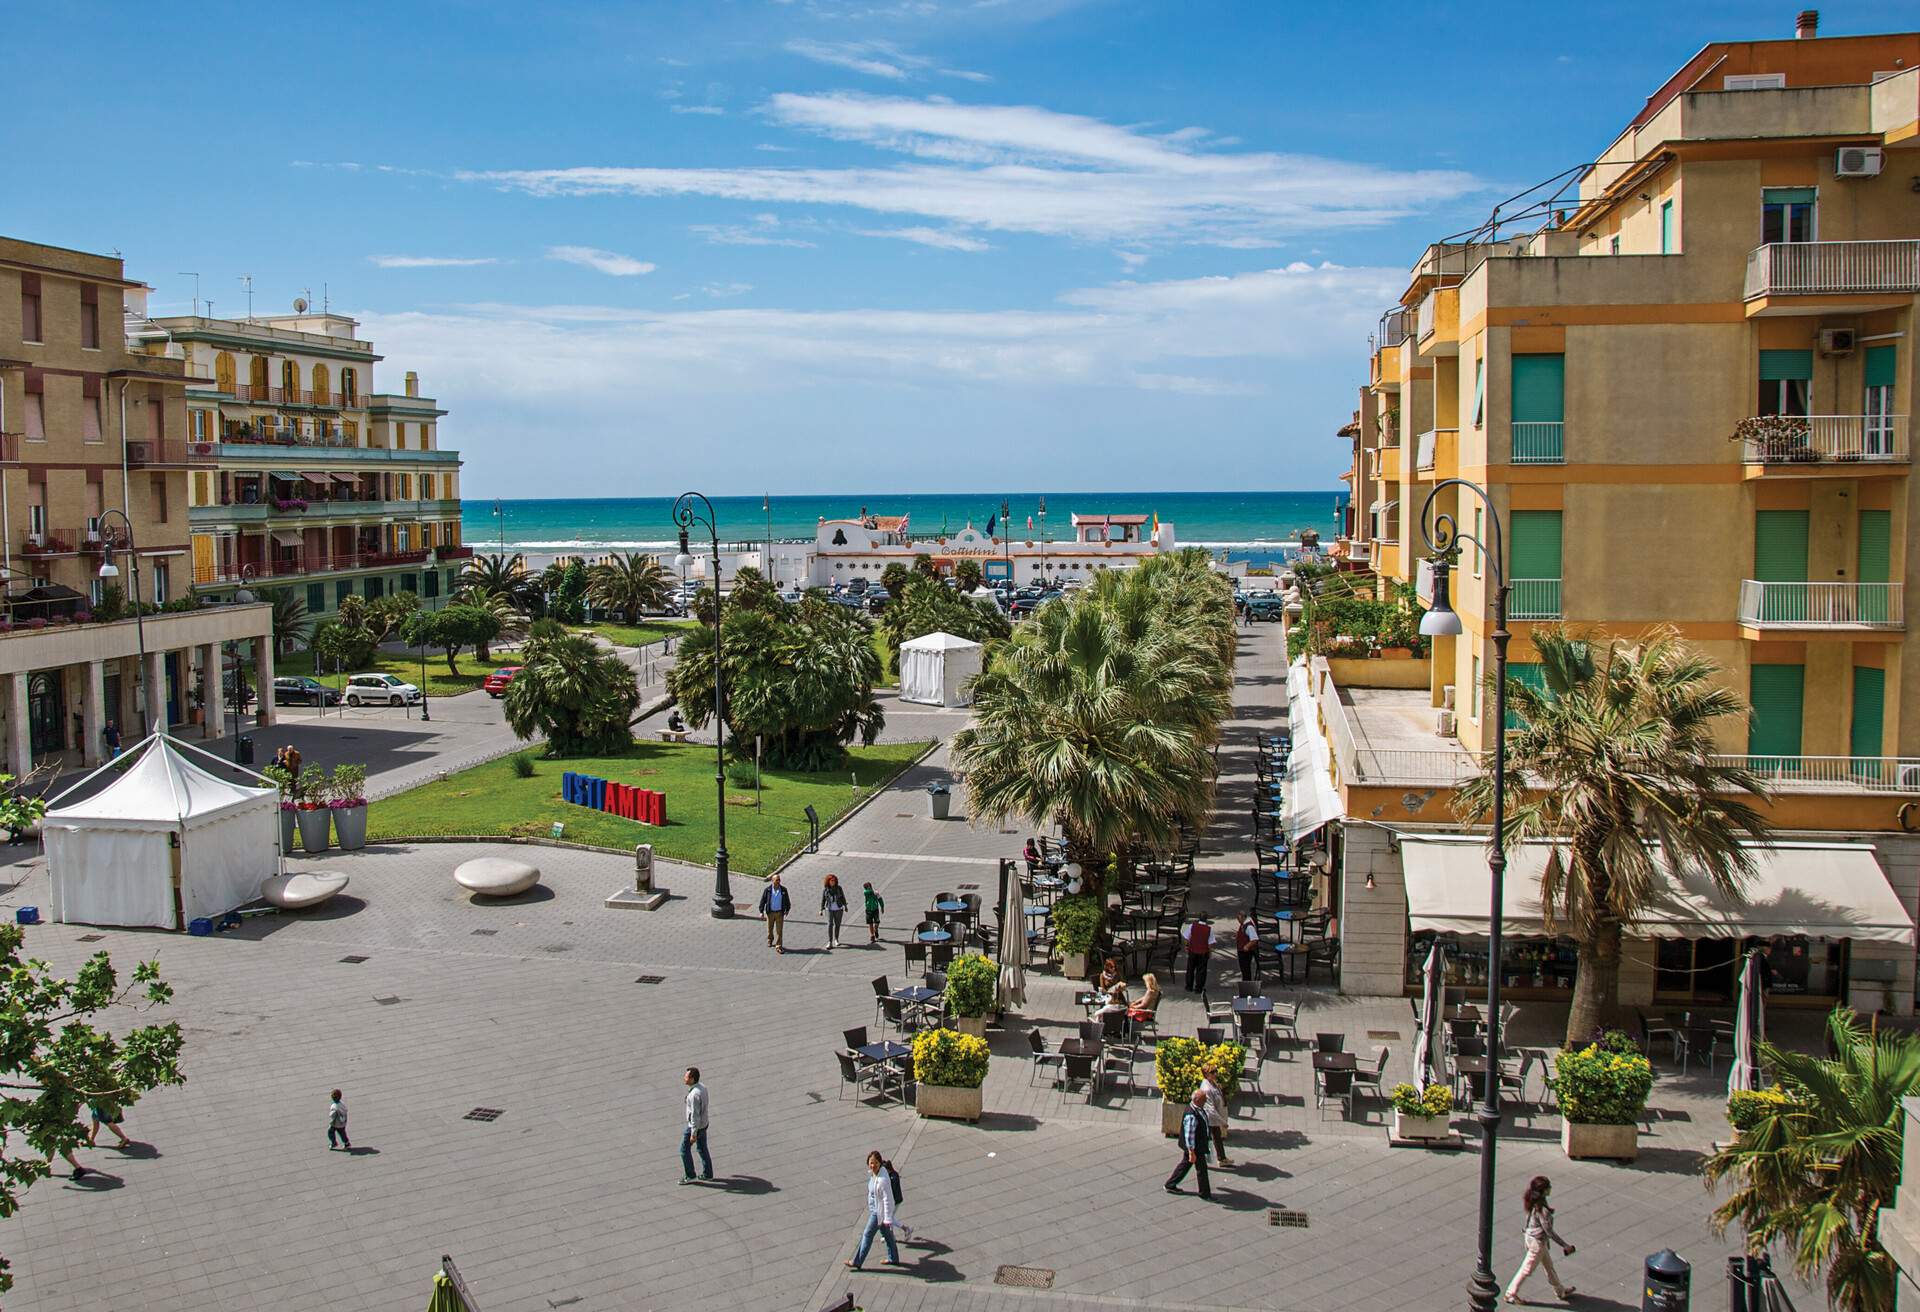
156, 687
19, 727
263, 680
213, 697
93, 717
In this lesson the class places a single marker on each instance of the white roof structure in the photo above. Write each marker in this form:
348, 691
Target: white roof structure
939, 642
934, 669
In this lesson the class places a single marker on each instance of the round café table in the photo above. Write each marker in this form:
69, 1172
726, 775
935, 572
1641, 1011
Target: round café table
934, 936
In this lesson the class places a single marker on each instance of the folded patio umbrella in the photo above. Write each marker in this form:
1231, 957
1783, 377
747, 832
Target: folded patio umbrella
1013, 948
1430, 1061
1749, 1027
445, 1297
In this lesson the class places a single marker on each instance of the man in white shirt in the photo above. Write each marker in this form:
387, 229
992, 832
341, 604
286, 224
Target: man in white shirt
695, 1134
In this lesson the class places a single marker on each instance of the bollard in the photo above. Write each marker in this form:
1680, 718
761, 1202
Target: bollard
1667, 1283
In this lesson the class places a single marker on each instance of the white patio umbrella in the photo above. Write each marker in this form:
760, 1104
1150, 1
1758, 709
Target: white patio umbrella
1013, 948
1431, 1062
1749, 1027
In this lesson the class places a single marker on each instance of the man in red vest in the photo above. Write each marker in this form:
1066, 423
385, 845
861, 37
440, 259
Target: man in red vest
1199, 939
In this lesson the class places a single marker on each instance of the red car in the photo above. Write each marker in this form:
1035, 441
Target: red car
496, 683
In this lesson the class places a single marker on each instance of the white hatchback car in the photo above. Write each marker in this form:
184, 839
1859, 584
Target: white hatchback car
380, 690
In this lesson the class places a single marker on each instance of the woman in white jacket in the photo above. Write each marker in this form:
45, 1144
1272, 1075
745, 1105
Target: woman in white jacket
879, 1211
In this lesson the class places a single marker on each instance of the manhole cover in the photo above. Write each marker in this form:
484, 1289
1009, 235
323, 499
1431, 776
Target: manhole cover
1024, 1277
1383, 1034
91, 938
388, 1002
483, 1114
1282, 1217
651, 979
485, 933
351, 961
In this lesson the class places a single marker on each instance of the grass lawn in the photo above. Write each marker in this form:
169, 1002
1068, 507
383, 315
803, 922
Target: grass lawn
638, 635
889, 674
492, 799
439, 682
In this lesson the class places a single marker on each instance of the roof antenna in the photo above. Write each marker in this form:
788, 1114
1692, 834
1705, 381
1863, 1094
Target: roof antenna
326, 302
246, 280
185, 273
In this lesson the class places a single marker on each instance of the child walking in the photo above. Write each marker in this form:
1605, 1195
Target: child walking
875, 904
337, 1123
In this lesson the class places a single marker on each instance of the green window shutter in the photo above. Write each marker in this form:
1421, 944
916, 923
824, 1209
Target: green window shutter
1876, 539
1529, 673
342, 589
1666, 228
1533, 544
1776, 365
316, 598
1479, 393
1778, 695
1880, 366
1786, 195
1539, 389
1869, 710
1780, 546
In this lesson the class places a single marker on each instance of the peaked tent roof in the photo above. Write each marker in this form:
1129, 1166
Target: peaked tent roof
161, 787
938, 642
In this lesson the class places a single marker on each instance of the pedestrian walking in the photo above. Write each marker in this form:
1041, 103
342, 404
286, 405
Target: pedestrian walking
1193, 1147
108, 1114
775, 902
1215, 1110
337, 1123
111, 736
695, 1134
1246, 945
1199, 939
1539, 1234
833, 901
883, 1195
874, 904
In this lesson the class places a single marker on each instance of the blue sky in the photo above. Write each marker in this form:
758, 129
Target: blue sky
832, 245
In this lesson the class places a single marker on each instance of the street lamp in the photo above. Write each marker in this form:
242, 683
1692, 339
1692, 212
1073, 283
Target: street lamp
689, 511
109, 571
1443, 536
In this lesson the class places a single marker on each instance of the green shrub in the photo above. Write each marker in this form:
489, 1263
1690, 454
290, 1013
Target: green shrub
740, 773
950, 1059
1597, 1086
1177, 1063
348, 786
972, 981
1746, 1108
523, 765
1076, 923
1409, 1101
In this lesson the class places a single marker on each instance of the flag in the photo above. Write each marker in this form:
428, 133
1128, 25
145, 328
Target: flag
1029, 525
991, 521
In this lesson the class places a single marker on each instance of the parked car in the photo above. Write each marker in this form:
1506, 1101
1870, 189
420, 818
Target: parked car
380, 690
496, 683
877, 598
1267, 608
856, 586
302, 691
1025, 606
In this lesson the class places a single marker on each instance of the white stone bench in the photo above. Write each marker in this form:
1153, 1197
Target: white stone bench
496, 876
673, 735
309, 888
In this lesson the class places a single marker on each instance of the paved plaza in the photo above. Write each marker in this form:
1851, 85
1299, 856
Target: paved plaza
575, 1022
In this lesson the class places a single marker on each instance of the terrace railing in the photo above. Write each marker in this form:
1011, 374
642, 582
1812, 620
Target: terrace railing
1796, 605
1826, 268
1538, 442
1840, 774
1534, 599
1825, 439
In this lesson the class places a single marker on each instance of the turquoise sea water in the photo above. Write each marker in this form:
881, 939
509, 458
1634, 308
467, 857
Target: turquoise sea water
1248, 525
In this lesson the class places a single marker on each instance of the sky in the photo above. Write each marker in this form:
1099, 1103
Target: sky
816, 246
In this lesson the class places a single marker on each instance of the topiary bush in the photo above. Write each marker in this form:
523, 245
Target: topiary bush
950, 1059
1600, 1086
1177, 1063
1076, 923
972, 981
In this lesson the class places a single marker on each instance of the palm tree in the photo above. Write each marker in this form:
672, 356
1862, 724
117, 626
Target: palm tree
291, 623
1612, 758
1815, 1172
512, 620
500, 576
967, 575
580, 697
628, 585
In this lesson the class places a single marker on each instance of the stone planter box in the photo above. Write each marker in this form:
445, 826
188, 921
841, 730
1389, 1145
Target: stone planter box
1171, 1114
314, 828
1618, 1142
1362, 672
948, 1102
974, 1025
1406, 1126
287, 823
1073, 965
350, 827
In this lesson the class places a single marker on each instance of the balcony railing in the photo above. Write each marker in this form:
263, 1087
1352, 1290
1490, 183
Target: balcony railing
1821, 605
314, 563
1814, 268
1425, 447
1838, 774
1538, 442
1534, 599
295, 396
1392, 330
47, 544
1825, 439
1424, 320
454, 553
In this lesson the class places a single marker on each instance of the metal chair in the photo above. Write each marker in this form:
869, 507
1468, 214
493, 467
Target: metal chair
880, 990
1336, 1086
855, 1038
1330, 1042
1042, 1057
1284, 1016
1661, 1029
899, 1015
940, 955
1081, 1068
1211, 1034
871, 1075
1220, 1011
1370, 1080
916, 958
1253, 1029
1249, 988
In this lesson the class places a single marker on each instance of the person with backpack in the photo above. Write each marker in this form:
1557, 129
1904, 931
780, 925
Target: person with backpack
1199, 940
883, 1196
874, 905
833, 901
775, 902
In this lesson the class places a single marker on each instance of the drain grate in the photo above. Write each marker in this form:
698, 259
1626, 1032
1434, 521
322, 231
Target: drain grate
484, 1114
1024, 1277
485, 933
651, 979
968, 888
555, 949
903, 815
1383, 1034
91, 938
351, 961
388, 1002
1282, 1217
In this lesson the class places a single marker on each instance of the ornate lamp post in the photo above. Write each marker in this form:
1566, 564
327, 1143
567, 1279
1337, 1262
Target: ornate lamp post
689, 511
1442, 536
109, 571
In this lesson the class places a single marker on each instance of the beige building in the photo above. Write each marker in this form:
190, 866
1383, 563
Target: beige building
93, 426
1687, 392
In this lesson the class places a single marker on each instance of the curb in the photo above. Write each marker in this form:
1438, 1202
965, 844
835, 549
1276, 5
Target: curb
853, 811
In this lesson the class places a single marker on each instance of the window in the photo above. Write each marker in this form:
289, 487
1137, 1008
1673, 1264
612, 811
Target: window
1667, 233
1880, 364
159, 484
202, 494
1753, 82
341, 591
402, 538
290, 381
1869, 711
160, 592
316, 598
1777, 694
371, 587
426, 437
89, 316
198, 425
400, 436
257, 376
349, 387
1533, 559
1479, 392
1786, 214
36, 407
322, 385
1613, 245
91, 412
223, 373
432, 579
1786, 382
1474, 702
97, 591
37, 510
1538, 409
30, 329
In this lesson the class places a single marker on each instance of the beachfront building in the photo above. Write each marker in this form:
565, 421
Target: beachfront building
843, 550
1687, 393
310, 479
93, 422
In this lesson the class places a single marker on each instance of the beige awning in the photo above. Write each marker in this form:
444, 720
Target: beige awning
312, 477
348, 479
1821, 890
287, 539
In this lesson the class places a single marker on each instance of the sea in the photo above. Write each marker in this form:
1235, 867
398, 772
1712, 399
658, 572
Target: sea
1257, 527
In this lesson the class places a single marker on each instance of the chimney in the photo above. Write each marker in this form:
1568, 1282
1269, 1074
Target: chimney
1807, 25
413, 383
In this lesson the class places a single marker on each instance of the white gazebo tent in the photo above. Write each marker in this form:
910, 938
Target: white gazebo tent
163, 843
935, 669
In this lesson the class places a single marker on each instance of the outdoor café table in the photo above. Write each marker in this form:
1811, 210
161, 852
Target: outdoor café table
1039, 909
934, 936
950, 906
1471, 1071
886, 1050
1252, 1006
1335, 1061
1283, 952
916, 994
1080, 1047
1466, 1012
1153, 888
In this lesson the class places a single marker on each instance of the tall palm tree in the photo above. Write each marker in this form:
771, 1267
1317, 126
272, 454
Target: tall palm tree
496, 575
512, 620
1614, 761
291, 623
577, 695
629, 585
1815, 1172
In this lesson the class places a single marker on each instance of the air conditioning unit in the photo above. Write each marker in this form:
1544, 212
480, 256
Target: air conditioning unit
1859, 162
139, 453
1443, 723
1836, 341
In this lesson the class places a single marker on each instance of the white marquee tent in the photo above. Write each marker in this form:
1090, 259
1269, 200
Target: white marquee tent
935, 669
113, 856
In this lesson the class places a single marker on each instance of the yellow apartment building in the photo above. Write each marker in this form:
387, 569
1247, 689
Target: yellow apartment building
93, 421
1687, 392
309, 479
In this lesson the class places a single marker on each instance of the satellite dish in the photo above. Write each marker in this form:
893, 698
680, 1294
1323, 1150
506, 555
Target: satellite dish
299, 305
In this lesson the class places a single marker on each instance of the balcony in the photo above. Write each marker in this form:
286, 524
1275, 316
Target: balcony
1439, 322
163, 452
1822, 444
454, 553
1870, 274
1832, 774
1537, 442
1431, 445
317, 563
1534, 599
328, 400
1765, 605
1392, 330
47, 544
1386, 735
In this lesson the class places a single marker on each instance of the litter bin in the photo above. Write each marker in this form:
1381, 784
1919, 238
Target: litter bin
1667, 1283
246, 749
940, 797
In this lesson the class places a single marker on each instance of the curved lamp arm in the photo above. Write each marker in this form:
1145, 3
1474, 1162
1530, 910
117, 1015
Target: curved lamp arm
1442, 533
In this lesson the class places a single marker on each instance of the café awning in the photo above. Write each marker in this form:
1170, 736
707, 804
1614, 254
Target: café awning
287, 538
347, 479
312, 477
1821, 890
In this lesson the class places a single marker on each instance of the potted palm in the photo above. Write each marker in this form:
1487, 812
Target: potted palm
1421, 1113
948, 1070
282, 779
971, 982
314, 817
1177, 1068
347, 799
1076, 926
1602, 1089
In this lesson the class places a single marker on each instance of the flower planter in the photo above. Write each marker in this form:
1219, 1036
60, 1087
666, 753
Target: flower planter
287, 823
1171, 1114
350, 826
974, 1025
313, 828
1073, 965
1407, 1126
1583, 1139
948, 1102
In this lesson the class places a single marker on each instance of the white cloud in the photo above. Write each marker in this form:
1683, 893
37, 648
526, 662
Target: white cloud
713, 110
722, 290
875, 58
765, 230
1132, 259
427, 261
935, 237
608, 262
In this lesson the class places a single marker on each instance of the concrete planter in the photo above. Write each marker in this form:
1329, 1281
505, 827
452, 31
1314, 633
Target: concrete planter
1171, 1114
350, 827
974, 1025
314, 826
947, 1102
286, 830
1406, 1126
1619, 1142
1074, 965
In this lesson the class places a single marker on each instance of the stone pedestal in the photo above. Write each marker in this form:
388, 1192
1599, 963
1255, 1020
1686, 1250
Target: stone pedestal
643, 896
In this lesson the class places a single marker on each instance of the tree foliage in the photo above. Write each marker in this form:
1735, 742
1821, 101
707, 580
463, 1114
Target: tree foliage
967, 574
930, 606
577, 696
497, 575
629, 586
894, 578
335, 642
291, 623
452, 629
568, 604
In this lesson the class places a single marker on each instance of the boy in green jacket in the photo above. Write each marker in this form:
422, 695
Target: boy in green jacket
875, 904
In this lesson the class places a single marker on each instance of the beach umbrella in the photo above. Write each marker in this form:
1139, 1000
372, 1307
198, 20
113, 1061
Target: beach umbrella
1749, 1027
1431, 1062
445, 1297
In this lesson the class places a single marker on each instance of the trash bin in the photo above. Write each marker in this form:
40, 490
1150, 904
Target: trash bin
940, 797
1667, 1283
246, 749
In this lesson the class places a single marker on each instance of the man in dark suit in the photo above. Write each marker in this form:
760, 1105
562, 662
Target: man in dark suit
1193, 1147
